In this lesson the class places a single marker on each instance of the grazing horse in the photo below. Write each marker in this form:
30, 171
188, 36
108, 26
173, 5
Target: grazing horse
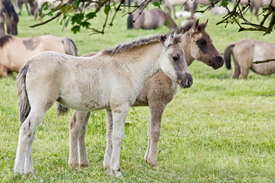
19, 4
14, 51
257, 4
245, 53
170, 4
149, 19
51, 3
156, 93
110, 80
8, 15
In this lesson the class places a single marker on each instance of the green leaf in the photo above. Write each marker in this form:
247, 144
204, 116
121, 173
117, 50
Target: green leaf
157, 4
91, 15
75, 29
86, 24
107, 9
78, 18
224, 3
168, 23
45, 6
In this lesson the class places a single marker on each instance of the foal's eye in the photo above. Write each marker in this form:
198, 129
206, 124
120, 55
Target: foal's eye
203, 42
175, 57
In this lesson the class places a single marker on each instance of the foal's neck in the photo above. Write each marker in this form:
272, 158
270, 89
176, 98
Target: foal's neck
143, 62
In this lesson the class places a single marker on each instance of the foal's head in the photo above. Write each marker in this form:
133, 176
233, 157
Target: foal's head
173, 62
200, 44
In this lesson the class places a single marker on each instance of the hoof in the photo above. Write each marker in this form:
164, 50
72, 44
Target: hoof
113, 173
30, 174
18, 171
117, 173
152, 164
74, 165
108, 171
84, 166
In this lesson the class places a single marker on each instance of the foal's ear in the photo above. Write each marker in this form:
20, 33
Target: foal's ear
176, 39
195, 25
201, 27
170, 39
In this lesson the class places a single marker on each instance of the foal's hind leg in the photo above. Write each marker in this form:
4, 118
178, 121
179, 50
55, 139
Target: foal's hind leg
236, 69
244, 72
77, 126
156, 111
23, 161
83, 160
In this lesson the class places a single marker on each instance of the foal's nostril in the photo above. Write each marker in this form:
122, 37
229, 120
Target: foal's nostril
221, 61
189, 81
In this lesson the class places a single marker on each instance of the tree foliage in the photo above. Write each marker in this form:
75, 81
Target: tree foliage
74, 12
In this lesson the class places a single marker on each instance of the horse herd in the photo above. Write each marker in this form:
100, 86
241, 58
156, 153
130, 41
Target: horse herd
147, 19
145, 72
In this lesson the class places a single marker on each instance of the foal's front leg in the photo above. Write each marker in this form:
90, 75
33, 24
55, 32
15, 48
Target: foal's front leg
156, 112
108, 150
83, 160
119, 114
77, 128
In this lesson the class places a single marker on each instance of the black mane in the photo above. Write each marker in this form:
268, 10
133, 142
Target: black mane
4, 40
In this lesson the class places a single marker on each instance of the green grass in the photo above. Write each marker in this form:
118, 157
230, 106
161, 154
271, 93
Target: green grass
219, 130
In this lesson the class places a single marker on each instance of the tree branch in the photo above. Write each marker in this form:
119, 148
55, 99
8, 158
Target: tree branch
47, 21
264, 61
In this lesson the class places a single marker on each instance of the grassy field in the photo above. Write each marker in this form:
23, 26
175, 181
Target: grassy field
219, 130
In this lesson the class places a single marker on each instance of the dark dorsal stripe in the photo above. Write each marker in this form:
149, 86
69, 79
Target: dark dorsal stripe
135, 44
5, 39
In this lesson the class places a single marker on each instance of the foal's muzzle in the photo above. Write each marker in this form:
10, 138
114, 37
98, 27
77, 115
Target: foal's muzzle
216, 62
186, 81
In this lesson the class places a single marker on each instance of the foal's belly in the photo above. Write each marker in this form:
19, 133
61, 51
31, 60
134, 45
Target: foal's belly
264, 69
84, 105
85, 98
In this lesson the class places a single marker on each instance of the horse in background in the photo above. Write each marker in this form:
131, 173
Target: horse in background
51, 3
14, 51
8, 15
257, 4
245, 53
27, 3
149, 19
169, 5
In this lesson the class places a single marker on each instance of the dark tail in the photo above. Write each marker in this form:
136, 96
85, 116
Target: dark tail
23, 100
130, 24
70, 46
227, 55
62, 110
